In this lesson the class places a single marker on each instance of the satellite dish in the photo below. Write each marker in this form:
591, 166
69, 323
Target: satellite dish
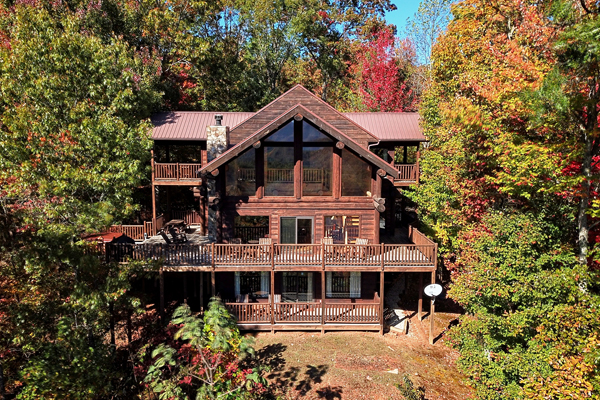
433, 290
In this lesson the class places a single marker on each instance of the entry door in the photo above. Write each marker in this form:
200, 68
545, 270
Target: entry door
296, 230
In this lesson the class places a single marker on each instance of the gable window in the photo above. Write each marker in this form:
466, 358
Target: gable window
317, 161
356, 175
342, 285
240, 177
279, 162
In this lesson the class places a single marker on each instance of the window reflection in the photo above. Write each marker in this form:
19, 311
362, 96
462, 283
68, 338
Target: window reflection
356, 175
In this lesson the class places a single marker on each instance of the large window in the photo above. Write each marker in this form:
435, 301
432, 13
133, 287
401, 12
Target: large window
297, 286
241, 175
250, 228
343, 229
317, 161
249, 285
279, 162
342, 285
356, 175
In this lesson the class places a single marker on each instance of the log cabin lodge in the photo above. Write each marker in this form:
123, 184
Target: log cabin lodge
293, 215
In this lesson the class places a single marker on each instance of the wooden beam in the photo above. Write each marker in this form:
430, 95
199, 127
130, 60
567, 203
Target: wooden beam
256, 145
381, 173
340, 145
272, 298
298, 117
201, 291
337, 173
215, 172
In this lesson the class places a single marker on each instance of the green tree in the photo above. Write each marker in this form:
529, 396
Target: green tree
74, 136
203, 360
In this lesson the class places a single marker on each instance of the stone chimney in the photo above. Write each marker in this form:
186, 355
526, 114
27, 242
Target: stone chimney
217, 139
217, 142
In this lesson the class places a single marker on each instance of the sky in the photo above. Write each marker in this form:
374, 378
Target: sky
406, 9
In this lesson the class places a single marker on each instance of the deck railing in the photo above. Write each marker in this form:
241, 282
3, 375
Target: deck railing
332, 313
281, 255
407, 172
191, 217
176, 171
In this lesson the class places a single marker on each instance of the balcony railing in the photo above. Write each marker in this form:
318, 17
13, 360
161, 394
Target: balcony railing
377, 256
176, 171
407, 172
315, 313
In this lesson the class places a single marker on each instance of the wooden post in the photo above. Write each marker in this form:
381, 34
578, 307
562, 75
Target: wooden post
381, 299
431, 312
322, 301
185, 291
272, 300
213, 288
201, 291
420, 307
337, 173
154, 230
161, 309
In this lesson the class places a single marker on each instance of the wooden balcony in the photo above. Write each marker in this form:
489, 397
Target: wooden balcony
408, 174
419, 256
175, 174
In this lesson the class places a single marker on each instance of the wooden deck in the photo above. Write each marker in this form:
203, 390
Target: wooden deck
408, 174
283, 257
316, 316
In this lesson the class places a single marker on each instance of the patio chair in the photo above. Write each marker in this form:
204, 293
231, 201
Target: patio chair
165, 237
361, 251
328, 250
265, 245
178, 237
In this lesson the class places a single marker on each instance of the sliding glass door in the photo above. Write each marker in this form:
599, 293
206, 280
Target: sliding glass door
296, 230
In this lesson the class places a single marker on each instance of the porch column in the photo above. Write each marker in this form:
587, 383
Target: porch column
272, 299
213, 289
201, 290
431, 312
322, 301
381, 299
420, 309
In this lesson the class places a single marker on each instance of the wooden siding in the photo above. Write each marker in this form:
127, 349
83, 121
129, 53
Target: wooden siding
299, 95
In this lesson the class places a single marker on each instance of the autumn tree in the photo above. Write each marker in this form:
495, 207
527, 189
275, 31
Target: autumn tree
74, 105
504, 185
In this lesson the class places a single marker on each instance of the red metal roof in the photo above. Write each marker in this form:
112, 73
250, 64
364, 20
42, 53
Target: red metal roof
390, 126
186, 125
191, 125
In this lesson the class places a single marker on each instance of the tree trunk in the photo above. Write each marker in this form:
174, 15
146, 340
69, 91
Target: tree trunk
582, 218
2, 396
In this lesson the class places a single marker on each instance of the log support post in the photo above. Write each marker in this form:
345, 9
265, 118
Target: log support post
420, 306
272, 300
323, 301
431, 313
381, 300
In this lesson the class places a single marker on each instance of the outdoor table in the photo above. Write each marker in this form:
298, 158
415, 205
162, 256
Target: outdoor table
178, 224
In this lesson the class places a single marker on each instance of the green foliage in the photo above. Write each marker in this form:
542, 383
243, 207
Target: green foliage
409, 391
508, 190
203, 360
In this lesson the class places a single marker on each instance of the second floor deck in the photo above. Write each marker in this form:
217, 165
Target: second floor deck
414, 257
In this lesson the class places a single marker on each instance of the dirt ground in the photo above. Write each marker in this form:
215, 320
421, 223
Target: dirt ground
357, 365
